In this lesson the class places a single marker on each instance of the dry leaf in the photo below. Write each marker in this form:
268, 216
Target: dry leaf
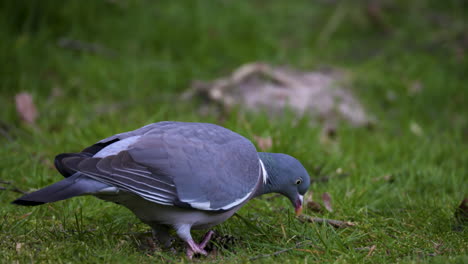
327, 201
25, 215
416, 129
263, 87
437, 248
26, 108
18, 247
264, 143
314, 207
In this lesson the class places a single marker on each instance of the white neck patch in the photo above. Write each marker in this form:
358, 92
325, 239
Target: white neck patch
264, 172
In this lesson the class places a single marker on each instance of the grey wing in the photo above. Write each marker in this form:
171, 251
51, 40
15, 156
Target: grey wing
207, 175
212, 167
202, 166
123, 172
105, 147
159, 126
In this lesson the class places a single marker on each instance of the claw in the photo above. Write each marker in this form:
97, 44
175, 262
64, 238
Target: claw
194, 248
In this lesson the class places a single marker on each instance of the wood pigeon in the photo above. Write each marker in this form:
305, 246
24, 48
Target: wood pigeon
176, 175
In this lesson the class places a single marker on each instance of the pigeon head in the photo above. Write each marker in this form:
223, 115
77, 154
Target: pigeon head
287, 176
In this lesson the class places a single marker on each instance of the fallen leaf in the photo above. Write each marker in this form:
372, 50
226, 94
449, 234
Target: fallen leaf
264, 143
416, 129
314, 207
327, 201
437, 247
25, 215
256, 86
18, 247
26, 108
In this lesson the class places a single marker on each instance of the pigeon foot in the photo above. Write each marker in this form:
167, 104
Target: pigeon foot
194, 248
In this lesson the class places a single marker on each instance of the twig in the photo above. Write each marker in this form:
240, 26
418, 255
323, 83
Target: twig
362, 248
332, 222
85, 46
371, 250
13, 188
5, 182
18, 190
299, 244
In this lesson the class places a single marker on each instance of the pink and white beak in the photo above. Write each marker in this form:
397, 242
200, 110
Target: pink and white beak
298, 204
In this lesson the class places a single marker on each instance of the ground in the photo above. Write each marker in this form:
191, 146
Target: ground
400, 181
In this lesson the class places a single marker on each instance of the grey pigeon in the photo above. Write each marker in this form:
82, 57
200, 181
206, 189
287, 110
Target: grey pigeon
174, 174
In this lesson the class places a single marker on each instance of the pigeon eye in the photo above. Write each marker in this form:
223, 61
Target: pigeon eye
298, 181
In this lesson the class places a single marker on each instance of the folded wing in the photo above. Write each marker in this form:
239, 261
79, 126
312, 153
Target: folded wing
202, 166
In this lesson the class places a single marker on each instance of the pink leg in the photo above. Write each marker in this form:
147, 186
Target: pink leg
206, 238
194, 248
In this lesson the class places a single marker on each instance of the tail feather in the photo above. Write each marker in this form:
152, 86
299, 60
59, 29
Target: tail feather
75, 185
62, 162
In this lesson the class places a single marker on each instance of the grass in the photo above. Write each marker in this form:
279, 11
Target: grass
158, 48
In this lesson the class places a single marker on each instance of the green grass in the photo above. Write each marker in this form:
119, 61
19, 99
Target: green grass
160, 47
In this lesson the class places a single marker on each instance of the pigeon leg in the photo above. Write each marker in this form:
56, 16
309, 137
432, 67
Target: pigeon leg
183, 231
161, 233
194, 248
206, 239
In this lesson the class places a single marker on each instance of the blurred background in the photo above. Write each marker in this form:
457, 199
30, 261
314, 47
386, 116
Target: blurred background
84, 60
76, 71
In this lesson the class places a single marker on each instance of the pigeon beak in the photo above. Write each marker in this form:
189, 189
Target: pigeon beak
298, 204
